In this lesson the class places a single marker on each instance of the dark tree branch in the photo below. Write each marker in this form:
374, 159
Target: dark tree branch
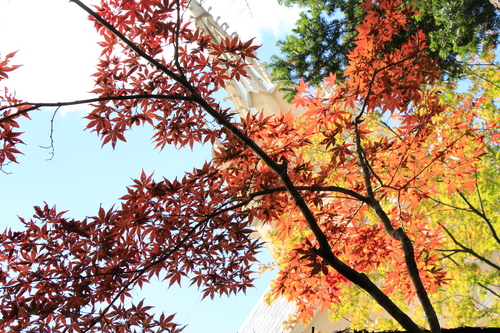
374, 75
337, 189
176, 43
131, 44
492, 64
36, 106
470, 251
432, 162
449, 205
386, 125
485, 79
152, 263
479, 197
324, 250
482, 215
398, 234
163, 258
489, 289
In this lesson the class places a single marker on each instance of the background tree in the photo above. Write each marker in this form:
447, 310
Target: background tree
62, 274
324, 35
470, 220
469, 247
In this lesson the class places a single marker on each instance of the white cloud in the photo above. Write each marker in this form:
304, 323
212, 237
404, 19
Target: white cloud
57, 43
57, 47
249, 18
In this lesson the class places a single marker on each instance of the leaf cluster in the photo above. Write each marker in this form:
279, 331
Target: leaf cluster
386, 143
323, 36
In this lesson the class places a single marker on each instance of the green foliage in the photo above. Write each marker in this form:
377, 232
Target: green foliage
471, 218
472, 294
324, 33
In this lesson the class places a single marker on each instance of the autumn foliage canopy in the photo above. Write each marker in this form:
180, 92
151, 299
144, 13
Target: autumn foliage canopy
344, 180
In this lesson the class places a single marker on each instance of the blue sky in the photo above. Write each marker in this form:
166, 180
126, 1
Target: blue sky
58, 55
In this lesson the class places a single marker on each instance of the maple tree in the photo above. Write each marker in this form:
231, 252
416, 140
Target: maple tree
323, 36
468, 220
359, 204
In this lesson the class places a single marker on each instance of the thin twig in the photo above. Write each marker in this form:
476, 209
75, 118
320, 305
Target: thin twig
482, 215
489, 289
465, 249
51, 146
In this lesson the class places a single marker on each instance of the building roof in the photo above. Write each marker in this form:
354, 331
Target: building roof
265, 318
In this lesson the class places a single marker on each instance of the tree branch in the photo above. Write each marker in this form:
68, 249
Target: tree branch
469, 250
489, 289
325, 251
131, 44
35, 106
163, 258
281, 169
482, 215
398, 234
51, 146
432, 162
449, 205
337, 189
